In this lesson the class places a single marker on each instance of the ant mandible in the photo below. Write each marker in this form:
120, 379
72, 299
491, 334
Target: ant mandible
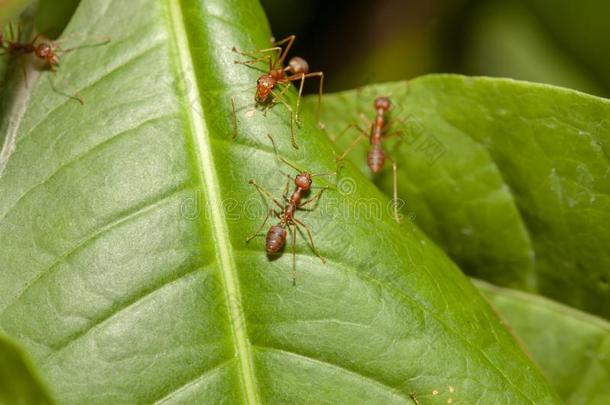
278, 74
276, 236
376, 156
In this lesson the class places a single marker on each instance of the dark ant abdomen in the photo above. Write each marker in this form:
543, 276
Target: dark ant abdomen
276, 237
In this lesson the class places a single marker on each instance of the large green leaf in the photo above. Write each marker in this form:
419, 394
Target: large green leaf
571, 347
124, 269
512, 179
18, 385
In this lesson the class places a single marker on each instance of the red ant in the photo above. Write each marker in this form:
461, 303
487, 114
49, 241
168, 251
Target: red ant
276, 236
376, 155
297, 69
46, 51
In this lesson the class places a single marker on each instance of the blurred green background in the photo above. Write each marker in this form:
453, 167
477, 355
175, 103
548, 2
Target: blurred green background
356, 42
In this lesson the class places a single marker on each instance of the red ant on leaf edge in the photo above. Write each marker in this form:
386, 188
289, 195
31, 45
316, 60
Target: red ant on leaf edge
43, 49
376, 132
277, 234
279, 75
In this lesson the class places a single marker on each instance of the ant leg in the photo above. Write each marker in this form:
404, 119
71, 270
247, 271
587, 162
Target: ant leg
364, 118
414, 398
277, 154
281, 159
389, 127
351, 146
294, 255
347, 128
287, 188
296, 114
398, 132
234, 118
252, 61
290, 39
278, 97
76, 96
315, 197
35, 38
260, 227
97, 41
320, 90
310, 236
302, 77
395, 191
266, 193
258, 55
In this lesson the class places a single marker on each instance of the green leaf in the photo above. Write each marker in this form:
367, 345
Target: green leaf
125, 272
18, 384
512, 179
571, 347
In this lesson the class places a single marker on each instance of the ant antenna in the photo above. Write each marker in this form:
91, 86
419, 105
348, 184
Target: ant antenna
295, 167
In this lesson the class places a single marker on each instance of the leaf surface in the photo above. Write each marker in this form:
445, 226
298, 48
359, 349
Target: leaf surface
571, 347
125, 272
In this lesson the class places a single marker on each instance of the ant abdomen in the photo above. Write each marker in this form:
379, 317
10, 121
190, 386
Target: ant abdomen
376, 158
276, 237
298, 65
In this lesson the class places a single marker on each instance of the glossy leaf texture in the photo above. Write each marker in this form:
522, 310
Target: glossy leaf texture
571, 347
18, 385
511, 178
125, 272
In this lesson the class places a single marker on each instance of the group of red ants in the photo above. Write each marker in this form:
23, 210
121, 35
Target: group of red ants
270, 90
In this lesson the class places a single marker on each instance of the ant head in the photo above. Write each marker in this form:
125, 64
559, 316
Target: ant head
264, 85
303, 181
44, 50
382, 103
297, 64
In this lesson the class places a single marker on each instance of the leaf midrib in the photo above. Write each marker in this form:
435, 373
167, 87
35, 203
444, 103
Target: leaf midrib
208, 181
